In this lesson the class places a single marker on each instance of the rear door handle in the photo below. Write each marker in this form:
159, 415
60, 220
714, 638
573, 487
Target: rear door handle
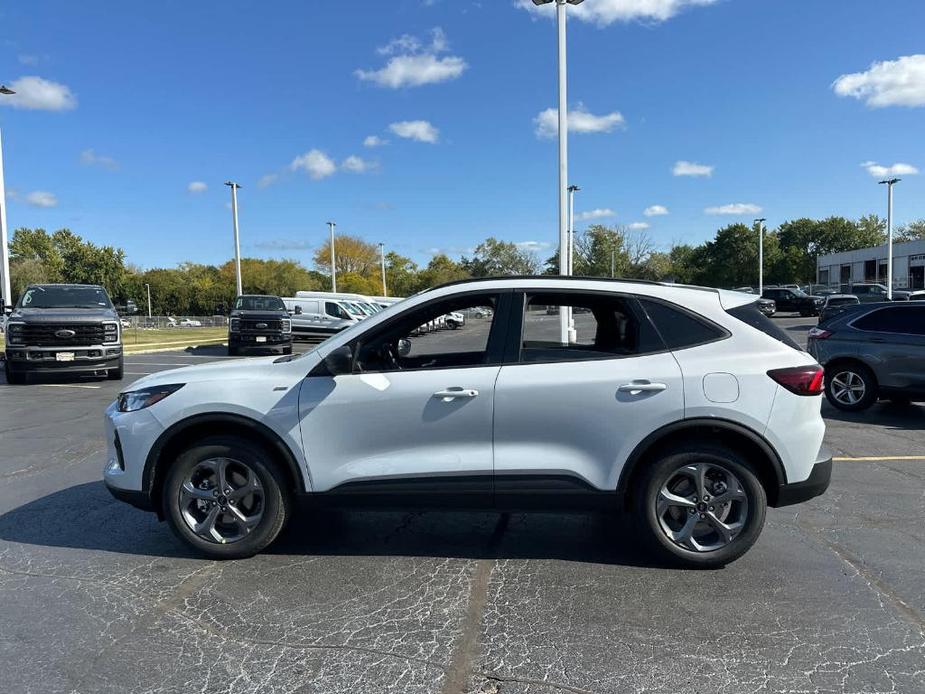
453, 393
642, 386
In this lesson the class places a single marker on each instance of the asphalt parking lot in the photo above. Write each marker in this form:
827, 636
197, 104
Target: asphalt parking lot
96, 596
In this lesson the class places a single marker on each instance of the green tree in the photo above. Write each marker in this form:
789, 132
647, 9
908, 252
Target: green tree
911, 231
400, 273
352, 254
440, 270
494, 258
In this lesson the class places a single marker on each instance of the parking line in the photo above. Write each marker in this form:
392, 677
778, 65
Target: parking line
67, 385
139, 373
877, 458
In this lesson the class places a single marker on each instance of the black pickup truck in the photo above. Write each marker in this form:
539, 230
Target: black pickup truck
63, 328
259, 323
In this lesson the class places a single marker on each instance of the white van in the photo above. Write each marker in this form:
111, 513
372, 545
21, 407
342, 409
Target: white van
361, 303
314, 318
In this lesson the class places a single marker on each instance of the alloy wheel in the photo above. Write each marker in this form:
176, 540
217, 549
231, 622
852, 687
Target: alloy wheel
702, 507
848, 388
221, 500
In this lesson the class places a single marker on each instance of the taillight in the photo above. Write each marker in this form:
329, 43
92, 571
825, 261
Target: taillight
802, 380
818, 334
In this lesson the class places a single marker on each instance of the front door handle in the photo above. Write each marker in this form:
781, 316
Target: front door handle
641, 386
453, 393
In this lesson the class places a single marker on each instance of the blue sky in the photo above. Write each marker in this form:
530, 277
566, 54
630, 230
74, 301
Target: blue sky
122, 106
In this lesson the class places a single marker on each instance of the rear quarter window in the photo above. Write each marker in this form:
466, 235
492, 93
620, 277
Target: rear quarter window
678, 327
750, 315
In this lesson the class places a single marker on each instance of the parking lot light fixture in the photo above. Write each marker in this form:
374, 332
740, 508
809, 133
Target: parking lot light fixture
148, 287
563, 146
331, 225
237, 243
382, 262
760, 222
889, 183
5, 288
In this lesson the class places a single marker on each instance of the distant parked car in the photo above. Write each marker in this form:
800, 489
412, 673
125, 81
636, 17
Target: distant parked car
454, 320
835, 303
872, 351
789, 300
869, 292
918, 295
818, 289
767, 306
190, 323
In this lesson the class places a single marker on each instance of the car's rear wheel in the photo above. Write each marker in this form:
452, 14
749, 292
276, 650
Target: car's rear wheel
226, 498
850, 387
702, 507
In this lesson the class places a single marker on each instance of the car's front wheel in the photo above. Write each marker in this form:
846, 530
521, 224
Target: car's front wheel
701, 507
226, 498
14, 378
850, 387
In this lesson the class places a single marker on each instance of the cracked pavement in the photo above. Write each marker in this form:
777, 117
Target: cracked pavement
96, 596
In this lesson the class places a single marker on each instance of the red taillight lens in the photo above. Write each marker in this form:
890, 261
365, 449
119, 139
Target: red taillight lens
802, 380
818, 334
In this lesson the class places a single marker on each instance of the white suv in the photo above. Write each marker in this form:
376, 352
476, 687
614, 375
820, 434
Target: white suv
684, 406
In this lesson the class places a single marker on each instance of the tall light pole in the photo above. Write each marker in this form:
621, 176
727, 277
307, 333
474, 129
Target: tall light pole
5, 288
760, 223
148, 286
331, 225
613, 258
237, 243
563, 146
571, 228
889, 183
382, 262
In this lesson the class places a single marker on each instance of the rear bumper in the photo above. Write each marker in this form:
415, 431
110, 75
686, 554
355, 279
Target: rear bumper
813, 486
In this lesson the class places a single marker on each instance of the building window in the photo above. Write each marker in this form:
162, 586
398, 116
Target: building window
870, 270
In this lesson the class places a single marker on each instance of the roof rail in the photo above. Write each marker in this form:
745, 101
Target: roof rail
623, 280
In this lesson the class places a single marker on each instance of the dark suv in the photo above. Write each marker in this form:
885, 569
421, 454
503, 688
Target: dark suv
63, 328
259, 323
789, 300
872, 351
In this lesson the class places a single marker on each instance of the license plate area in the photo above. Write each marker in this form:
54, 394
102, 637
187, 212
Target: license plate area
64, 356
261, 338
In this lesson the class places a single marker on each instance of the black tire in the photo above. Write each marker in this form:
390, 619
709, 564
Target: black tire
116, 373
233, 351
274, 507
839, 374
287, 350
805, 314
719, 461
14, 378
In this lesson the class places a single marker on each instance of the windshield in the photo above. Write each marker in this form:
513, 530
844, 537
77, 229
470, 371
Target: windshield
799, 292
259, 303
65, 297
353, 308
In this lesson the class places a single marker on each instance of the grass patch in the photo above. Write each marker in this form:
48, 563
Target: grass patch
134, 339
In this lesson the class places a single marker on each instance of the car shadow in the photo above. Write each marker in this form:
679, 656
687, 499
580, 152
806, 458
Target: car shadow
208, 351
62, 520
885, 413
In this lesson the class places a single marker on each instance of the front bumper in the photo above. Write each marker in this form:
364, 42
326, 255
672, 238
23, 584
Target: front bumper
247, 342
86, 359
813, 486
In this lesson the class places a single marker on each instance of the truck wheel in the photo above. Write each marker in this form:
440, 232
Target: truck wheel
116, 373
12, 377
287, 350
233, 351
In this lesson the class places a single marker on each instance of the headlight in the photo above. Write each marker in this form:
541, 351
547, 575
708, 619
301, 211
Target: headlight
286, 325
234, 325
135, 400
14, 333
110, 332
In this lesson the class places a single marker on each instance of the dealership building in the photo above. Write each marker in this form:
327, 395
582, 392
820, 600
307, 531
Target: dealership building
869, 265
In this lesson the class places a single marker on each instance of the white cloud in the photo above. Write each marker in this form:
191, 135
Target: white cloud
533, 245
374, 141
899, 82
89, 157
315, 163
39, 94
420, 130
28, 59
267, 180
283, 245
638, 226
197, 187
689, 168
737, 208
415, 71
599, 213
41, 198
579, 121
899, 169
414, 63
655, 210
355, 164
606, 12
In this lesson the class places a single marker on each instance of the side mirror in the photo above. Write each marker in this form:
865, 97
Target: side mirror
340, 361
298, 310
404, 347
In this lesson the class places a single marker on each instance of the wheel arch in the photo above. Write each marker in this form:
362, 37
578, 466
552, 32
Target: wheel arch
181, 434
736, 436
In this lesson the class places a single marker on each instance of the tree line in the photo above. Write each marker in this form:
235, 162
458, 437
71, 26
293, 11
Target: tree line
729, 259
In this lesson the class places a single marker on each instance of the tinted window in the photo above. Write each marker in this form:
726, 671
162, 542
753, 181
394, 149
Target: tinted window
750, 315
259, 303
678, 328
909, 320
422, 339
336, 310
65, 297
605, 327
